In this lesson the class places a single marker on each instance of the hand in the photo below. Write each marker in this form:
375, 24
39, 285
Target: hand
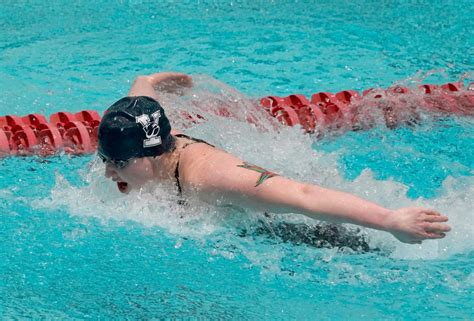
171, 82
415, 224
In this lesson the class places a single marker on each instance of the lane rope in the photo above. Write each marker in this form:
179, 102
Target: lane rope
76, 133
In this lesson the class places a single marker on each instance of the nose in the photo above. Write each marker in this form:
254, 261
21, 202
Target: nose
110, 171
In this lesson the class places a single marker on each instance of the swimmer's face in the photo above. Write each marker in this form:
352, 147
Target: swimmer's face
135, 174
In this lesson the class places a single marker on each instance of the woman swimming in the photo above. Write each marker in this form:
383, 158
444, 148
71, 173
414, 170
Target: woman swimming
138, 146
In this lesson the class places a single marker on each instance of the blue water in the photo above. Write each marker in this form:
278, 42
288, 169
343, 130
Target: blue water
72, 247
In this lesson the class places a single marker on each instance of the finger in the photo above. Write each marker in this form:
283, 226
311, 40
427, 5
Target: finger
435, 218
435, 235
438, 227
431, 212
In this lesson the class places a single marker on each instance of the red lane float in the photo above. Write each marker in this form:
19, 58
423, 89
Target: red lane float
333, 111
5, 147
88, 117
32, 134
24, 139
34, 120
61, 118
76, 133
78, 138
50, 139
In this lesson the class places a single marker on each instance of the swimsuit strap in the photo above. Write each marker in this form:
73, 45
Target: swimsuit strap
193, 141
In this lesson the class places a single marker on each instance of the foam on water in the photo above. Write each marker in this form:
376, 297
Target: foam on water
281, 149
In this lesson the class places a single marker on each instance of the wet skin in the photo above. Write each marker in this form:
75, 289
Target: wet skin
135, 174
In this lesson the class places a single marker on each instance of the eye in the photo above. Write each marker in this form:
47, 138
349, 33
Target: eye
120, 164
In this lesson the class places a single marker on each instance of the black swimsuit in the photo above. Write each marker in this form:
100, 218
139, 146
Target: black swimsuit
193, 141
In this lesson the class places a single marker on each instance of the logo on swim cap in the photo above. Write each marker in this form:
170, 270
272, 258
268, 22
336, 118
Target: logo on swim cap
151, 128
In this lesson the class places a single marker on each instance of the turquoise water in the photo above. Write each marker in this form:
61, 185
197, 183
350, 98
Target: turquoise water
73, 247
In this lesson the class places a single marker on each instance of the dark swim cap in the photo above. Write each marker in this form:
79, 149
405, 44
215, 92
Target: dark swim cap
134, 127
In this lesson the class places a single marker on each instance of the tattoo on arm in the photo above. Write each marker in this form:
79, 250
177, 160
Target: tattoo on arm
264, 173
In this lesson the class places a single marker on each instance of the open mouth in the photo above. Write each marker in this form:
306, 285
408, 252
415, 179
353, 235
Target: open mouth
122, 186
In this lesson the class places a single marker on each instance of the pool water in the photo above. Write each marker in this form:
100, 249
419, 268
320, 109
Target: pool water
74, 247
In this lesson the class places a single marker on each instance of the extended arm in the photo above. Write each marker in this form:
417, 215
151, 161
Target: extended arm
222, 177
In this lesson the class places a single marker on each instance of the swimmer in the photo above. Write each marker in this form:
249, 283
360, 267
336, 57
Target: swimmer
138, 145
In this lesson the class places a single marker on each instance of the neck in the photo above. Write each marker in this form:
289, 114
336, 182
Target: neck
164, 166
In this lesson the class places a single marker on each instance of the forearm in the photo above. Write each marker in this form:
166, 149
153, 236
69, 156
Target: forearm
162, 82
409, 225
143, 86
159, 77
330, 205
320, 203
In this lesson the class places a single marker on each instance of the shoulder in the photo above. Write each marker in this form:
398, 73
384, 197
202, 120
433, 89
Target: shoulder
200, 162
198, 152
